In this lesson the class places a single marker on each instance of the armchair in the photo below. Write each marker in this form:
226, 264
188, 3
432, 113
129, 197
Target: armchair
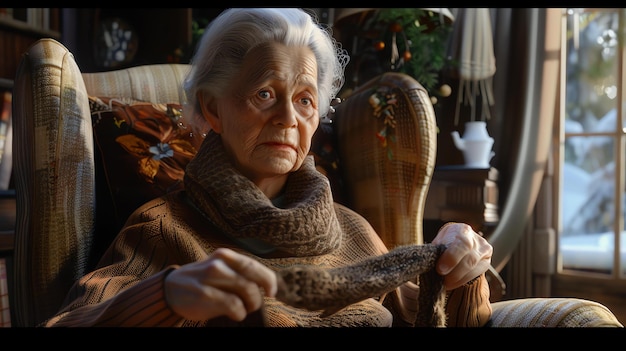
72, 194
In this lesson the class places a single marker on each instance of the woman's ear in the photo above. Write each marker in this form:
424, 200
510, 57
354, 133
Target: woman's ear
209, 112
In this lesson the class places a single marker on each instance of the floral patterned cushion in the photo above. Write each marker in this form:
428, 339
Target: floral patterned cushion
142, 150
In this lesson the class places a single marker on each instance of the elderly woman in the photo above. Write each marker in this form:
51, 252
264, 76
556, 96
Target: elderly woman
254, 203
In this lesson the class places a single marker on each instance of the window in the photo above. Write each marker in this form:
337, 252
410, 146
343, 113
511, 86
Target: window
592, 239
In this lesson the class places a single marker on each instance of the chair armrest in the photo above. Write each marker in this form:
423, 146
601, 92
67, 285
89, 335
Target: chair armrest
551, 312
53, 163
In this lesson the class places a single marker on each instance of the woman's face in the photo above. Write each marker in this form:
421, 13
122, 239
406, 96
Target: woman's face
270, 113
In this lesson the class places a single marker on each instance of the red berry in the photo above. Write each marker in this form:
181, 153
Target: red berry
407, 55
395, 27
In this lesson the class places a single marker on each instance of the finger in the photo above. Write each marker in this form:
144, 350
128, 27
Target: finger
472, 265
229, 304
454, 253
249, 269
210, 288
449, 232
235, 286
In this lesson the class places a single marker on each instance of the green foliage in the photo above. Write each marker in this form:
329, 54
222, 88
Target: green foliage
427, 39
197, 29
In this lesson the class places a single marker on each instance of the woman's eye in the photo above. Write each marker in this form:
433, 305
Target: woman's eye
306, 101
264, 94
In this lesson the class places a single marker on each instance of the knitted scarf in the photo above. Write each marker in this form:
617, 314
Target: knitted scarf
306, 225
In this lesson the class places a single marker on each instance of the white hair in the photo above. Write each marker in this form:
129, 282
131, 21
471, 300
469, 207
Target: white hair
227, 39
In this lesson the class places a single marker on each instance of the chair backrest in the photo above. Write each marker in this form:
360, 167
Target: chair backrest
381, 147
386, 136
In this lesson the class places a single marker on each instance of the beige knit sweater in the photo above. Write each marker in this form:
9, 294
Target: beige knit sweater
221, 208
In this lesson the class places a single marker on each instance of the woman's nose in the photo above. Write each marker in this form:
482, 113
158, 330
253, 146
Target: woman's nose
286, 115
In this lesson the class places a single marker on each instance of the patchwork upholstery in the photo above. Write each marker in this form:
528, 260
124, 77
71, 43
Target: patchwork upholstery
54, 181
379, 152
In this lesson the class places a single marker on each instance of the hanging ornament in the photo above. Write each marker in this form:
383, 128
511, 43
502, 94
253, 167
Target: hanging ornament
445, 90
396, 60
395, 56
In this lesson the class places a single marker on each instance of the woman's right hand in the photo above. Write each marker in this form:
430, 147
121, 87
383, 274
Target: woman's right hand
467, 254
225, 284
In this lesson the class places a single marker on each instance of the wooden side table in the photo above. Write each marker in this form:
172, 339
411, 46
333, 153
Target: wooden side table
461, 194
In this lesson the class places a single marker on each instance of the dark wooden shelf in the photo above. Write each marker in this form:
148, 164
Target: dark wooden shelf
25, 28
17, 34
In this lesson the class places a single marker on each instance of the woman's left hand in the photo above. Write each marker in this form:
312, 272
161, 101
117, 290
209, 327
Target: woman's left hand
467, 254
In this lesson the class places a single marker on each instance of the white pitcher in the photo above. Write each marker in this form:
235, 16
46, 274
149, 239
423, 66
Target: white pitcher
476, 144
